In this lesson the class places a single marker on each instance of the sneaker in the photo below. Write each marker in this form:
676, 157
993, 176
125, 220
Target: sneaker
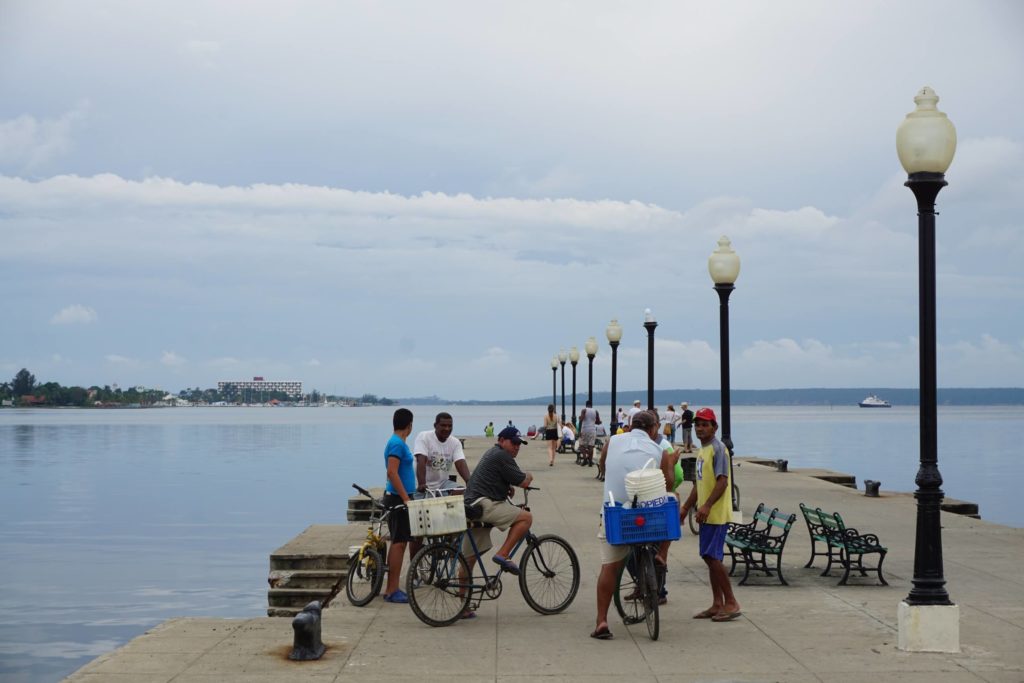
398, 596
506, 564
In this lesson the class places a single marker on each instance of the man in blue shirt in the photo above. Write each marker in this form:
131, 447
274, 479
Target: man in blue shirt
400, 485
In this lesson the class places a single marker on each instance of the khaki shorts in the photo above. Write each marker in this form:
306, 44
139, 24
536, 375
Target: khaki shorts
610, 554
499, 513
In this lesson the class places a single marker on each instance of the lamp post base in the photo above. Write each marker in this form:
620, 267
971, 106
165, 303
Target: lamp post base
928, 628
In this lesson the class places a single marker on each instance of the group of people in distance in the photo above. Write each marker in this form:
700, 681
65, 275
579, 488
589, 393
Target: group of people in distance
436, 458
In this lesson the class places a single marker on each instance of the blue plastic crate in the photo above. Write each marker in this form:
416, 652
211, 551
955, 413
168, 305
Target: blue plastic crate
625, 526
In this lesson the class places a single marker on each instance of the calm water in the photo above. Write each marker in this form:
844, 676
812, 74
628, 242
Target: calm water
112, 521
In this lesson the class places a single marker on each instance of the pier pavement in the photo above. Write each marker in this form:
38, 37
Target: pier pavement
811, 630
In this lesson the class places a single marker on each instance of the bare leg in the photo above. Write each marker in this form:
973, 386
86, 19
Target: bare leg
605, 589
516, 533
396, 553
721, 587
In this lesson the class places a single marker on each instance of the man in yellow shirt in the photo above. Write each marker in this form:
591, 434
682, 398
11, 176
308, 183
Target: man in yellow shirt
713, 497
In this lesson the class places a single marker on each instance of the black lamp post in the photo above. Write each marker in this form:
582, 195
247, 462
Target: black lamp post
554, 380
925, 143
614, 334
561, 359
724, 267
591, 349
649, 324
574, 358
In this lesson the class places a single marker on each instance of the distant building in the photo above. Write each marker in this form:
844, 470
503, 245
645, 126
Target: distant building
293, 389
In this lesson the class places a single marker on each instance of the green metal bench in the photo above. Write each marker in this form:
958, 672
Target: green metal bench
751, 544
842, 545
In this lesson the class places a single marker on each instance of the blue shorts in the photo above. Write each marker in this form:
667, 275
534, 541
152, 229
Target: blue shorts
712, 540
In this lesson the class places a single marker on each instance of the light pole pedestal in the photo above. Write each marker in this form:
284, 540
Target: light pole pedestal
928, 628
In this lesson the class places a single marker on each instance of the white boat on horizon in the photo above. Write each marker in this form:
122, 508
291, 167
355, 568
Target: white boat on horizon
873, 401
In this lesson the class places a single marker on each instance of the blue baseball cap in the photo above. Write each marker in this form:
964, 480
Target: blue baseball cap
512, 434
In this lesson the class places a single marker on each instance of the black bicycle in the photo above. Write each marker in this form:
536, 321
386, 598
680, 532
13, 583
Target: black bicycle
639, 587
441, 588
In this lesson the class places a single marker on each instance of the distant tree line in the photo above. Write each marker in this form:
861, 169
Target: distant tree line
24, 390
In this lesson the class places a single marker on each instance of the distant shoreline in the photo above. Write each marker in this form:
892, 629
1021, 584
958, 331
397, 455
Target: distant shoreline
999, 396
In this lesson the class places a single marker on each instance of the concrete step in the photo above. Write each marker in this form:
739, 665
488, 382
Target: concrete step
301, 578
359, 506
337, 561
294, 597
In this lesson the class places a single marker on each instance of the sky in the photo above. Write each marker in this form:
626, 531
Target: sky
434, 198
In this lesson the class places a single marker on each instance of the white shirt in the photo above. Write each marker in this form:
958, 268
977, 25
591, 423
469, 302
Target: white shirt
627, 452
567, 433
441, 457
632, 411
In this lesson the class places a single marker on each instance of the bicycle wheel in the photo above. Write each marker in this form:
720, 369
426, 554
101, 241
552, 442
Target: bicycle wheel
549, 575
365, 577
691, 520
648, 579
438, 585
627, 594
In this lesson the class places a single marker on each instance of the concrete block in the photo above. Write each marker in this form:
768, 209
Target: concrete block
928, 628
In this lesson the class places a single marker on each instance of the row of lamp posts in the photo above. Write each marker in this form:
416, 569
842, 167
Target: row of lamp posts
925, 144
724, 267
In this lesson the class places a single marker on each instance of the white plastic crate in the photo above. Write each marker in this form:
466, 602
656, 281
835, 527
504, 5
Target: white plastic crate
437, 516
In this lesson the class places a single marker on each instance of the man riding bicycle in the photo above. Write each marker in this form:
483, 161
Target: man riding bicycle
489, 488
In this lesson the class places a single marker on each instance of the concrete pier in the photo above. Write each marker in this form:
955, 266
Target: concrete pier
812, 630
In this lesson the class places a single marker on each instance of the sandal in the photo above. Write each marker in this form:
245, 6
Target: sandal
602, 633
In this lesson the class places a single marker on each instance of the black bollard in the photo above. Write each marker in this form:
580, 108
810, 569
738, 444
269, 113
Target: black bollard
871, 488
782, 465
306, 624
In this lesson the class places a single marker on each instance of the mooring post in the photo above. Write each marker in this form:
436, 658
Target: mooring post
306, 624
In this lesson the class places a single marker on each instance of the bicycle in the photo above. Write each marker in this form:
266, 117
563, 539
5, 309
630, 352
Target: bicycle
367, 567
441, 588
638, 588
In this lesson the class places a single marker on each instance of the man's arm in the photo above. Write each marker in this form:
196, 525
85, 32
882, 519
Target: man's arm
396, 481
668, 469
463, 469
421, 472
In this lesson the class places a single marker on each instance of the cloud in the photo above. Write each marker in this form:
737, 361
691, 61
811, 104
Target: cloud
202, 52
172, 360
76, 314
492, 358
122, 360
27, 143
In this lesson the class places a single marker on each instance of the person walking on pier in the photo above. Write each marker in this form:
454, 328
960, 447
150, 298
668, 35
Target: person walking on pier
550, 432
589, 419
713, 497
686, 426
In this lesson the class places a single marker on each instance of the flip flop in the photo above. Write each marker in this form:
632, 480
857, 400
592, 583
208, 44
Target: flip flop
506, 564
602, 634
706, 614
726, 616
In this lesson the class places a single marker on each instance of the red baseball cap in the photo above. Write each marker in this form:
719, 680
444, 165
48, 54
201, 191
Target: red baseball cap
706, 414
